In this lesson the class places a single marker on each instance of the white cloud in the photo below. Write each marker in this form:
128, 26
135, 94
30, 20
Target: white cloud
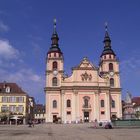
24, 75
14, 69
130, 65
3, 27
7, 51
30, 82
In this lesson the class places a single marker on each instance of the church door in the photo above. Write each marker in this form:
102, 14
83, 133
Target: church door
86, 116
54, 118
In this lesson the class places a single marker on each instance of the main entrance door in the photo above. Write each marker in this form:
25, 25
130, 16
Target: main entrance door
54, 118
86, 116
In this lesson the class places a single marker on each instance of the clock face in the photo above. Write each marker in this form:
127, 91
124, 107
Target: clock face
111, 73
55, 72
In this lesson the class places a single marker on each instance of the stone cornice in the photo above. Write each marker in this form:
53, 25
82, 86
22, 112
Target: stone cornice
84, 68
51, 71
13, 94
115, 89
79, 88
52, 89
108, 60
76, 88
55, 59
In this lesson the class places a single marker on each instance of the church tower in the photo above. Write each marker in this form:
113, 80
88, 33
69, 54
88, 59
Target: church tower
109, 64
109, 69
54, 61
54, 73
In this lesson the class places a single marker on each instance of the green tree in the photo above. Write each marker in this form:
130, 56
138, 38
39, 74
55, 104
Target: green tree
138, 114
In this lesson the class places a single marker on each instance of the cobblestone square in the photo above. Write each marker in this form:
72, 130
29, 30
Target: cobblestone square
66, 132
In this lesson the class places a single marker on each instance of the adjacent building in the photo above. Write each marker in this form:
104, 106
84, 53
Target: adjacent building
39, 114
136, 106
13, 103
90, 92
31, 108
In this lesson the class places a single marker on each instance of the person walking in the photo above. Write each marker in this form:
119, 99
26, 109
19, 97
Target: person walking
95, 123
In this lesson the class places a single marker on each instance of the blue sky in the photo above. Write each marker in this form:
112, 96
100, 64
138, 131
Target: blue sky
26, 27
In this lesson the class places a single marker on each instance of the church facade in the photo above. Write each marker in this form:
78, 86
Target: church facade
89, 93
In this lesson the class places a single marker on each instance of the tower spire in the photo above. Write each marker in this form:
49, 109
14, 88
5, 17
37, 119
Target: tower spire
55, 37
54, 45
54, 26
107, 38
107, 42
106, 26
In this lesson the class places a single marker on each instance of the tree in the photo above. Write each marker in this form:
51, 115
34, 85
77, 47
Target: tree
138, 114
5, 116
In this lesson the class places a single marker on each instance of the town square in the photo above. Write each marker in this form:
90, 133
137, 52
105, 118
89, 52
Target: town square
69, 70
67, 132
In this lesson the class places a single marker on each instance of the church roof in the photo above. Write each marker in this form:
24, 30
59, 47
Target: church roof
55, 46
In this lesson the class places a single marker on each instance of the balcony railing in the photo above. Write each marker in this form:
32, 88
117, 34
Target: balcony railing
87, 106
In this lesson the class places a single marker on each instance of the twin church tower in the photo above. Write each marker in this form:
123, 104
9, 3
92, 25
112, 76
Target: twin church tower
89, 93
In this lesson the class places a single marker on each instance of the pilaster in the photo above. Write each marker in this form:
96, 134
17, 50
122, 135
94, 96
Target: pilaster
97, 107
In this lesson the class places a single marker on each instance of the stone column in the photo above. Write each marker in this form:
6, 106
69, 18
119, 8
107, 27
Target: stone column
94, 107
50, 119
48, 110
107, 106
97, 107
119, 106
76, 107
62, 107
73, 106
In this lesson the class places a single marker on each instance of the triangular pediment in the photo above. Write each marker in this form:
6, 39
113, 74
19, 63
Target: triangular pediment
85, 64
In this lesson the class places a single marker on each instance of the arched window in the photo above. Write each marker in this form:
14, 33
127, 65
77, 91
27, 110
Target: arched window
54, 104
111, 82
54, 54
59, 54
86, 102
110, 67
54, 81
54, 65
102, 103
68, 103
113, 104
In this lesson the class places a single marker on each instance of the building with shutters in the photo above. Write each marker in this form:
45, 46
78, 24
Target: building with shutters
14, 104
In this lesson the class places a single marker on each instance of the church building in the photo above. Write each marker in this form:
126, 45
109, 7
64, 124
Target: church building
89, 93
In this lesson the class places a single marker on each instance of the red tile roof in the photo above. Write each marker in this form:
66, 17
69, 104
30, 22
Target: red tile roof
14, 88
136, 100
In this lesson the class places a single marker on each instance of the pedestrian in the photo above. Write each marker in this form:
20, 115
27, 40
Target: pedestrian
33, 123
95, 123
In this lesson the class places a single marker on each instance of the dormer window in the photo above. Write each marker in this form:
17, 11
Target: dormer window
7, 90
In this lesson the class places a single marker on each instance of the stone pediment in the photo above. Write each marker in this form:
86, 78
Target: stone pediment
85, 65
